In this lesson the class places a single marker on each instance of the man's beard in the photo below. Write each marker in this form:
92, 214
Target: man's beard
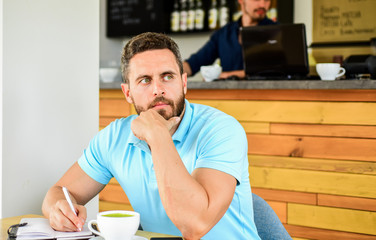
260, 15
255, 15
177, 108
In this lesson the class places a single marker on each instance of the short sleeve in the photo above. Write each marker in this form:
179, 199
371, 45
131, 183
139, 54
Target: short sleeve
224, 147
94, 160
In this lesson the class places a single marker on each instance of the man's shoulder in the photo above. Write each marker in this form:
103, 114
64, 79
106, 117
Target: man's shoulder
230, 26
226, 29
121, 125
210, 114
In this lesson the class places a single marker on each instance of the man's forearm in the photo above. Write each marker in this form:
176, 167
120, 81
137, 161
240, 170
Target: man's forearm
184, 199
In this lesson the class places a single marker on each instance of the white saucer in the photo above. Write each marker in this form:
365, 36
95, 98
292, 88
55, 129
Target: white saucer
139, 238
134, 238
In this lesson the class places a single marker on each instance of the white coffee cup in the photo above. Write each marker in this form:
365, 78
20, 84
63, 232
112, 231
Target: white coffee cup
329, 71
116, 224
211, 72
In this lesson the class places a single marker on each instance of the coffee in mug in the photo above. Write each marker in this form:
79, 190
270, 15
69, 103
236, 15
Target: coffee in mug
329, 71
116, 224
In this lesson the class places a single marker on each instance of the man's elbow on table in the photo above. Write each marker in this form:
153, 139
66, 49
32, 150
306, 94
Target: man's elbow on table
194, 231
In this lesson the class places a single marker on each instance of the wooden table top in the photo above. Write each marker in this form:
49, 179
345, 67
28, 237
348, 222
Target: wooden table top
5, 223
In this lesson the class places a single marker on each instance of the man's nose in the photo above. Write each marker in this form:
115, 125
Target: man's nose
158, 88
262, 4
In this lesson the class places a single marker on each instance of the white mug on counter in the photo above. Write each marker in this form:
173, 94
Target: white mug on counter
211, 72
116, 224
330, 71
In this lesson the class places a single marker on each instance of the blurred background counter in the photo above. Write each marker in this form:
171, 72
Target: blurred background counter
293, 84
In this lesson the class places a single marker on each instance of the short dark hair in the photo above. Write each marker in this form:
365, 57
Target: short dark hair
144, 42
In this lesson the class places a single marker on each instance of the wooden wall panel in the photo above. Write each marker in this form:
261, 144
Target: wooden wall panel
315, 164
314, 181
286, 196
313, 147
280, 208
324, 130
111, 93
110, 205
351, 113
113, 108
366, 204
325, 234
332, 218
113, 193
256, 127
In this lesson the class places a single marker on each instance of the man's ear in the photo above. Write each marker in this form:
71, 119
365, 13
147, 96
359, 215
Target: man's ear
184, 78
127, 93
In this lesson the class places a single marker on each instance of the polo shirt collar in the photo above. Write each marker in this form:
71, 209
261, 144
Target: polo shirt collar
185, 123
178, 135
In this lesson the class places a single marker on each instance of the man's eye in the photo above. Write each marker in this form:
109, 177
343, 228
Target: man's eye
145, 80
168, 77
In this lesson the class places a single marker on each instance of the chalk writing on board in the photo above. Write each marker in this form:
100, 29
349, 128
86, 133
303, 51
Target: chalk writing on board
337, 20
123, 12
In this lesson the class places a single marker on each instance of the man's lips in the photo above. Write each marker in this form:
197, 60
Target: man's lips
261, 11
160, 105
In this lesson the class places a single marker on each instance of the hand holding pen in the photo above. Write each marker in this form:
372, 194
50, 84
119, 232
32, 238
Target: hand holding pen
67, 197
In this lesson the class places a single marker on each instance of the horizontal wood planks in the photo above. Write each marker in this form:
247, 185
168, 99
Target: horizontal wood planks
314, 181
113, 197
312, 155
325, 234
314, 164
351, 131
313, 147
351, 113
347, 220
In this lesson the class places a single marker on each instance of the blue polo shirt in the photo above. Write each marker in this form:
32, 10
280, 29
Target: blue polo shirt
205, 138
223, 44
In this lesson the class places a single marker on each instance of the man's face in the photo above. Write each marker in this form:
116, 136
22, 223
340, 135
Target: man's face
255, 9
155, 83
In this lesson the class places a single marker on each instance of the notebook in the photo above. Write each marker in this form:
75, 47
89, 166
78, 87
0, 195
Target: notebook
275, 51
39, 228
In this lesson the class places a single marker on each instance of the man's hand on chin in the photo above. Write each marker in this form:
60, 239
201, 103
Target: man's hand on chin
150, 123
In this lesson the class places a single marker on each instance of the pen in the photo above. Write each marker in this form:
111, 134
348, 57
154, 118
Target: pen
66, 194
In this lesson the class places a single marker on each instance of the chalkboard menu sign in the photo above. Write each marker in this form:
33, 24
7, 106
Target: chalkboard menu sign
131, 17
343, 20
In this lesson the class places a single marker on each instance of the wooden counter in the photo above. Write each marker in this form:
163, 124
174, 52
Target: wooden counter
271, 84
312, 152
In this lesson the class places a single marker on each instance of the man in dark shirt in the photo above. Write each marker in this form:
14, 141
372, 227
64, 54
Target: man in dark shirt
225, 43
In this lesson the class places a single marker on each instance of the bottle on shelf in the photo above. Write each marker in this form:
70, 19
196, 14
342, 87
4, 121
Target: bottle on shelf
191, 15
183, 15
199, 16
175, 17
213, 15
224, 13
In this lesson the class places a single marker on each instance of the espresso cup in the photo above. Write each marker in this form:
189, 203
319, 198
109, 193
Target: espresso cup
116, 224
329, 71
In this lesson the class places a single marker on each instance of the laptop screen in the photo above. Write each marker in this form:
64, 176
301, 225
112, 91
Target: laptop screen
275, 50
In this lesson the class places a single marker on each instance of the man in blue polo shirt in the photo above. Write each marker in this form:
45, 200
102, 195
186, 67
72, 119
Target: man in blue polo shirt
225, 43
183, 166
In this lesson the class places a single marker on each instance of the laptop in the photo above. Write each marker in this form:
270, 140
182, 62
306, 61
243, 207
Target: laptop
275, 52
